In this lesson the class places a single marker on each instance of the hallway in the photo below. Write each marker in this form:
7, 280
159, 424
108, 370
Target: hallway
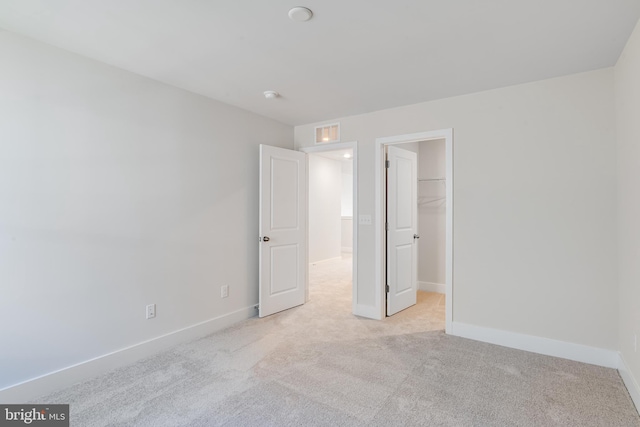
330, 291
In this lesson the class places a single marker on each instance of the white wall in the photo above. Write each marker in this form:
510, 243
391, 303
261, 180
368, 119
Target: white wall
325, 197
534, 204
627, 90
347, 188
117, 191
347, 234
432, 214
347, 206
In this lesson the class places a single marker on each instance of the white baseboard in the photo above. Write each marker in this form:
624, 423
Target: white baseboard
630, 382
66, 377
347, 250
438, 288
549, 347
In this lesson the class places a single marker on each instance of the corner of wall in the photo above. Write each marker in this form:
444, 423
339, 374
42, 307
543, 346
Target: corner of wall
627, 101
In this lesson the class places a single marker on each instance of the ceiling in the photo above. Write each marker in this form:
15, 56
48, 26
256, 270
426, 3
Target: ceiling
352, 57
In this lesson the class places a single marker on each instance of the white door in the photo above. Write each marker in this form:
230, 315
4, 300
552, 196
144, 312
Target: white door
402, 221
283, 229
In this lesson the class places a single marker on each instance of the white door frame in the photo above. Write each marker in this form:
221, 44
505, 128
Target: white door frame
332, 147
447, 135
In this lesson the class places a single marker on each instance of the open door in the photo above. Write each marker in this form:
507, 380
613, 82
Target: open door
283, 229
402, 226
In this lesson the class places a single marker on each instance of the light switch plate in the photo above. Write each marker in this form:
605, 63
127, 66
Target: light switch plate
365, 220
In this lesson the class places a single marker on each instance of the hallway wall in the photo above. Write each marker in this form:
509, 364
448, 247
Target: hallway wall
325, 207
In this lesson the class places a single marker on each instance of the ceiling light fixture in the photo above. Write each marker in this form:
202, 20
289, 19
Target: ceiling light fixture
347, 155
271, 94
300, 14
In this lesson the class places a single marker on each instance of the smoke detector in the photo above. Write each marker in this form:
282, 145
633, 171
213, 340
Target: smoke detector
300, 14
271, 94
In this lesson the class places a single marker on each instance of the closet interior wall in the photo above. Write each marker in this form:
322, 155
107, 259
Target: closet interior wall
432, 215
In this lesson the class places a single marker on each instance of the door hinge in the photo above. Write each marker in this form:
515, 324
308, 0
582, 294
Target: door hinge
387, 164
386, 226
387, 288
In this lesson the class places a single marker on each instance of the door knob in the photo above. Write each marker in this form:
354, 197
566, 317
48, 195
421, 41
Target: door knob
416, 236
265, 239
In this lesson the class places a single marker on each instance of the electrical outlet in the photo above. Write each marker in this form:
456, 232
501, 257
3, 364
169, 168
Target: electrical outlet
224, 291
151, 311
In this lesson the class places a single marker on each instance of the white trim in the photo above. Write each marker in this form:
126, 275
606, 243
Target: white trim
340, 146
629, 381
439, 288
447, 135
549, 347
449, 230
66, 377
378, 224
306, 225
332, 146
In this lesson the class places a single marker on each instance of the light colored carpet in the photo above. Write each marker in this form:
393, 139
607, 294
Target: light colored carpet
318, 365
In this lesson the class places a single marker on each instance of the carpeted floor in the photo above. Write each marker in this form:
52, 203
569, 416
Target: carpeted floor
318, 365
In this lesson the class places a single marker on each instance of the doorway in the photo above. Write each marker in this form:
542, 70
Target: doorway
435, 197
332, 236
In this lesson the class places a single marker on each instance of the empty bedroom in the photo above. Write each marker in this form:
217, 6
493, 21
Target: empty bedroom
231, 213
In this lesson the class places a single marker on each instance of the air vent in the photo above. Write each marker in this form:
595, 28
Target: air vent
328, 133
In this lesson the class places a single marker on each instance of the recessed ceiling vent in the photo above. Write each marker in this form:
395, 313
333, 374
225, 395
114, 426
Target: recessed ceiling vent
328, 133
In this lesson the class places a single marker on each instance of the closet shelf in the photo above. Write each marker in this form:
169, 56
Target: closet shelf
431, 179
